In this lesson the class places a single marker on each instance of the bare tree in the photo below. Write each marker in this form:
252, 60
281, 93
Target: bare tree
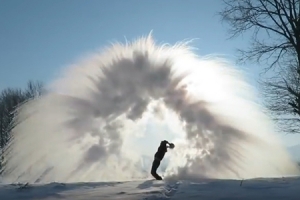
275, 42
34, 89
10, 99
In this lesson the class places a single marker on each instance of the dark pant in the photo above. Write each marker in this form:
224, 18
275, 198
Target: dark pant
155, 165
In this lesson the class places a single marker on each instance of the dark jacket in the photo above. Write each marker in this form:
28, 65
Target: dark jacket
162, 149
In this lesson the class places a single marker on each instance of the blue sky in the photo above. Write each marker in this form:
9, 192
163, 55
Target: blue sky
40, 37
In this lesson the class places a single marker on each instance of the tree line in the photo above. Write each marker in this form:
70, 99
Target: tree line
10, 99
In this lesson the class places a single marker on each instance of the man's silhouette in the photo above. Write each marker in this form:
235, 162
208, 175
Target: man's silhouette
159, 155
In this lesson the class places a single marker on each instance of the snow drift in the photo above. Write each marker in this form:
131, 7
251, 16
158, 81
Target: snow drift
86, 126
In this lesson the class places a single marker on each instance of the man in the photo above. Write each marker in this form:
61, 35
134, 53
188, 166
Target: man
159, 155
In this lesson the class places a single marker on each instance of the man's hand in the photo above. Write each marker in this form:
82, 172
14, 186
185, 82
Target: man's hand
171, 145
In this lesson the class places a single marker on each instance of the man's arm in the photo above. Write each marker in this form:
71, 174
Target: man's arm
166, 142
170, 145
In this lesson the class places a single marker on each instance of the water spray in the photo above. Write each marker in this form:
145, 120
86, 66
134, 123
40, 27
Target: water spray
107, 111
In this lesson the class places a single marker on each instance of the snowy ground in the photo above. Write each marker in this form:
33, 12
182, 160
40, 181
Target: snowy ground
257, 189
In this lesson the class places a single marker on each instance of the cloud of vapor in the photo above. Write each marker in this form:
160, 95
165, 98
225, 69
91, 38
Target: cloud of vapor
83, 129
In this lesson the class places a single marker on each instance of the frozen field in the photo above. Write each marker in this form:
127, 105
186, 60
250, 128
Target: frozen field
258, 189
